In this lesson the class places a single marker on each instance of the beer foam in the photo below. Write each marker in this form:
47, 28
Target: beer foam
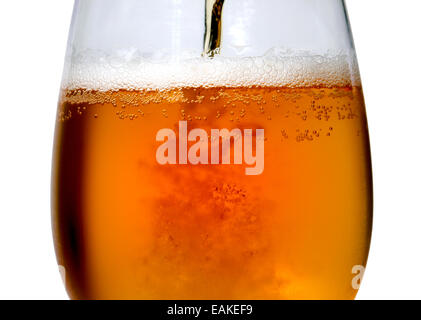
131, 70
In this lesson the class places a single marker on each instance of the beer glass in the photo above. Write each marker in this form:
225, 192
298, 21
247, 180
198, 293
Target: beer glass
210, 149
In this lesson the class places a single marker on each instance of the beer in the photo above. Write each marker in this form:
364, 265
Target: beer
280, 209
213, 27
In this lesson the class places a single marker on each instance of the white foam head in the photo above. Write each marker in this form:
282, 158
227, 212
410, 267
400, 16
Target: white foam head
278, 68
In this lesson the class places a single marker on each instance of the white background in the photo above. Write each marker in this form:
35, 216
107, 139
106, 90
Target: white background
33, 37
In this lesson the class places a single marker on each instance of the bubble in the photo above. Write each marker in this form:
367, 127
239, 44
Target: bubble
98, 71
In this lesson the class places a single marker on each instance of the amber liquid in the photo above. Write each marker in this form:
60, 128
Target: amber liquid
126, 227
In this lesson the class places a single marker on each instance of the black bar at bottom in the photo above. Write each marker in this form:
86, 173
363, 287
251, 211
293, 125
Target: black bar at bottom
163, 310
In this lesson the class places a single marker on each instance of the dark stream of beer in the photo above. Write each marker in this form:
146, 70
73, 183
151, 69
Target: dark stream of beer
213, 27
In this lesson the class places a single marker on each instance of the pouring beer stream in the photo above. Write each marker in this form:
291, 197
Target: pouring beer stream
213, 27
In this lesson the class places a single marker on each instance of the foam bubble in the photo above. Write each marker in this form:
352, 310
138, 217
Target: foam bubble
132, 71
